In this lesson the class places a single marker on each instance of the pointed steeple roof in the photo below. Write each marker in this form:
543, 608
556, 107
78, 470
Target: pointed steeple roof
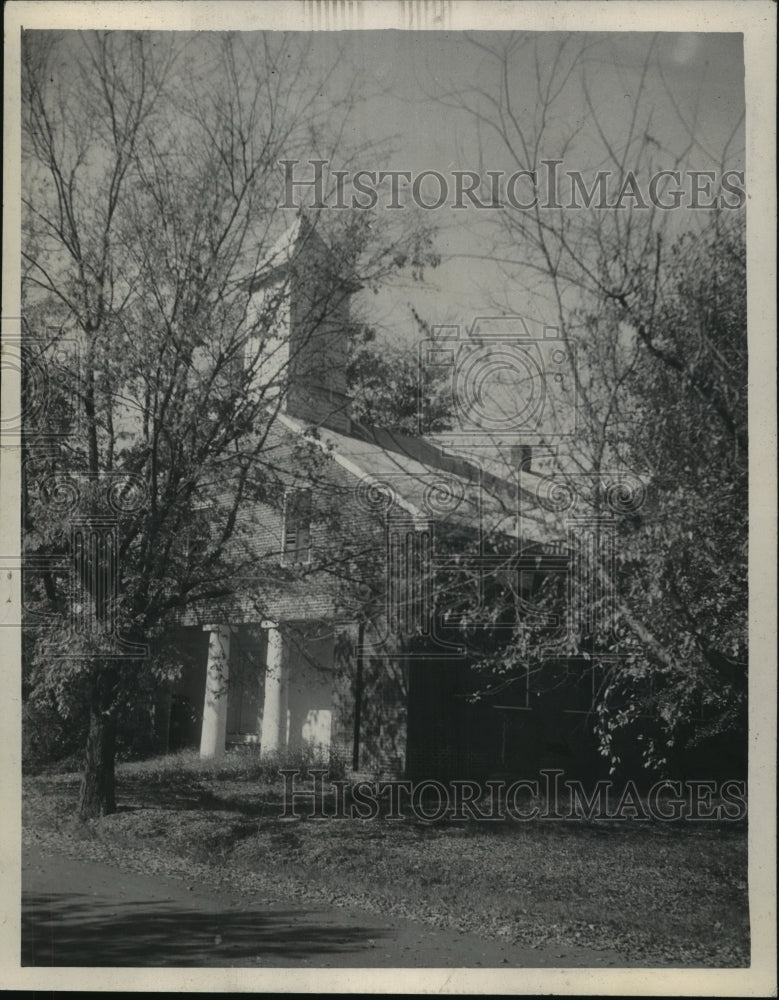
300, 237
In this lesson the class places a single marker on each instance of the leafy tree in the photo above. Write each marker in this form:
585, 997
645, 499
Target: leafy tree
686, 557
654, 303
151, 186
393, 391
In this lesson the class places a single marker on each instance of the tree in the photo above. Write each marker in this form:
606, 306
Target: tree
654, 303
393, 391
151, 194
688, 557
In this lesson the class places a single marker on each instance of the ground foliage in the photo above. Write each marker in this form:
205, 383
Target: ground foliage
659, 894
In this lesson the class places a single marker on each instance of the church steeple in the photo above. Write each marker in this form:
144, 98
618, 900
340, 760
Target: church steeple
311, 343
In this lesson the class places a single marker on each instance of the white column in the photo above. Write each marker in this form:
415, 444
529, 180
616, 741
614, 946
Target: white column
214, 732
274, 714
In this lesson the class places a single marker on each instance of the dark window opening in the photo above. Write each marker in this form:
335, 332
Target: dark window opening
296, 543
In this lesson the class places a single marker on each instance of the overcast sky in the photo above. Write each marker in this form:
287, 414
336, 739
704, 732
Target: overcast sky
692, 97
697, 79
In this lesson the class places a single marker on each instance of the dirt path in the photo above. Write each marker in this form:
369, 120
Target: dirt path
85, 913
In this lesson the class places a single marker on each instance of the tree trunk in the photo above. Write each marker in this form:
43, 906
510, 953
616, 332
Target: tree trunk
97, 796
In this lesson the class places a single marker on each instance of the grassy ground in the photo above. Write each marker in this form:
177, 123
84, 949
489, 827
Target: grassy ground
664, 894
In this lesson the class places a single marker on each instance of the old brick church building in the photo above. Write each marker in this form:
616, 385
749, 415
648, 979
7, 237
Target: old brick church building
343, 639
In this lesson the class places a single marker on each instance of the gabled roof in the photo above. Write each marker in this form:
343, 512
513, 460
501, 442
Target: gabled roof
300, 237
425, 485
280, 255
430, 485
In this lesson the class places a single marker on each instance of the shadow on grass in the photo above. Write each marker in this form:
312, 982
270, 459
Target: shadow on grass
77, 930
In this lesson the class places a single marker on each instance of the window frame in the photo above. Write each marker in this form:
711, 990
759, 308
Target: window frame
291, 556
